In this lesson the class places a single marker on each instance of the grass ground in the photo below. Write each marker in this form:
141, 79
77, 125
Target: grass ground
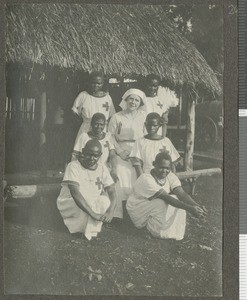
41, 257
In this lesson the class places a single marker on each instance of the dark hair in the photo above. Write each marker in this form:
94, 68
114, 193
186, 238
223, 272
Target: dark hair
152, 77
162, 155
92, 143
94, 74
153, 116
98, 116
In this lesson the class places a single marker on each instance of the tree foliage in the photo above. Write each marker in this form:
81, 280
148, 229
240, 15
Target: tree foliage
203, 26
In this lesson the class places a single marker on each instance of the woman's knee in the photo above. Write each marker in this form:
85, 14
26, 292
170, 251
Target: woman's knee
104, 202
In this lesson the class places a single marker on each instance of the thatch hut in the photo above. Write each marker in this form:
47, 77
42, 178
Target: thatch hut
123, 40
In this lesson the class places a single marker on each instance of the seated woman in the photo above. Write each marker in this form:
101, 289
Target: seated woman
159, 203
80, 202
98, 124
146, 148
126, 127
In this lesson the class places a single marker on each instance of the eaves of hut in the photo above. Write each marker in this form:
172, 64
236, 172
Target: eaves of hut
116, 39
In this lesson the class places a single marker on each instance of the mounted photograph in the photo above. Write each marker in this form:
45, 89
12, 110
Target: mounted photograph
113, 176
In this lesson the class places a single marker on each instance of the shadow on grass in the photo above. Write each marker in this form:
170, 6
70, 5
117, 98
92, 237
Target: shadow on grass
42, 213
36, 212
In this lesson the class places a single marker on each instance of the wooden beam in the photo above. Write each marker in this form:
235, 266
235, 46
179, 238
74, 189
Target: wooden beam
198, 173
175, 127
30, 191
191, 176
33, 178
190, 135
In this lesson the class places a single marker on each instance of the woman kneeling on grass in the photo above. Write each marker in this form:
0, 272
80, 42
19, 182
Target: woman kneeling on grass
160, 203
80, 202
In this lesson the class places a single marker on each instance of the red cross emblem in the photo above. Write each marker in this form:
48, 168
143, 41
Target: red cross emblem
160, 105
106, 106
98, 183
107, 145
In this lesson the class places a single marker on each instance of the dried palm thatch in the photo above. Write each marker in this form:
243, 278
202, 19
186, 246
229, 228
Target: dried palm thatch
117, 39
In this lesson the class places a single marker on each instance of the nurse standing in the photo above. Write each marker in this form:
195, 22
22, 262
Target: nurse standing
158, 99
92, 101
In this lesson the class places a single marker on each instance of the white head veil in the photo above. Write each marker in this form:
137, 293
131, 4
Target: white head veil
129, 92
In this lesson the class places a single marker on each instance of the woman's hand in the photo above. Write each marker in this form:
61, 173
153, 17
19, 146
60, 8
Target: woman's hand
107, 216
124, 154
198, 212
97, 217
164, 118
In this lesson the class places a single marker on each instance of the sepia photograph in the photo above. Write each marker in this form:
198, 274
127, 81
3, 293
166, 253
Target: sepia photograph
113, 176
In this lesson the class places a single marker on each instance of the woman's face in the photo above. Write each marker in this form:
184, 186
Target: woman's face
152, 126
90, 157
96, 84
162, 168
98, 126
133, 102
152, 88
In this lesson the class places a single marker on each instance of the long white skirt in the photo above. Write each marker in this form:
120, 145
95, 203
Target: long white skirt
161, 219
77, 220
124, 187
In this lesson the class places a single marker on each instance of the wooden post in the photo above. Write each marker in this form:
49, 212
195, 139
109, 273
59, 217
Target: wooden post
42, 118
42, 138
190, 135
180, 107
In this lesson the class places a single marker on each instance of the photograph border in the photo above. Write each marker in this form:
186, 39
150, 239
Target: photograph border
231, 144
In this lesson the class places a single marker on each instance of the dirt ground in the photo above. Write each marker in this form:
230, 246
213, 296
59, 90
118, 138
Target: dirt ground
41, 257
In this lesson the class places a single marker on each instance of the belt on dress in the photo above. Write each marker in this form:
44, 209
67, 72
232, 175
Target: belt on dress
129, 141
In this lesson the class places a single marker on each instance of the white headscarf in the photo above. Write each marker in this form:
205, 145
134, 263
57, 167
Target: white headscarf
129, 92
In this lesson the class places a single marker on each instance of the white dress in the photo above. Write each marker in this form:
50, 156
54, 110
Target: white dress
106, 143
155, 104
91, 184
125, 129
161, 219
146, 150
86, 105
160, 103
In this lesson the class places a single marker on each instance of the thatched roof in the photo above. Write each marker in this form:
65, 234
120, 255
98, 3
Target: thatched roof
118, 39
